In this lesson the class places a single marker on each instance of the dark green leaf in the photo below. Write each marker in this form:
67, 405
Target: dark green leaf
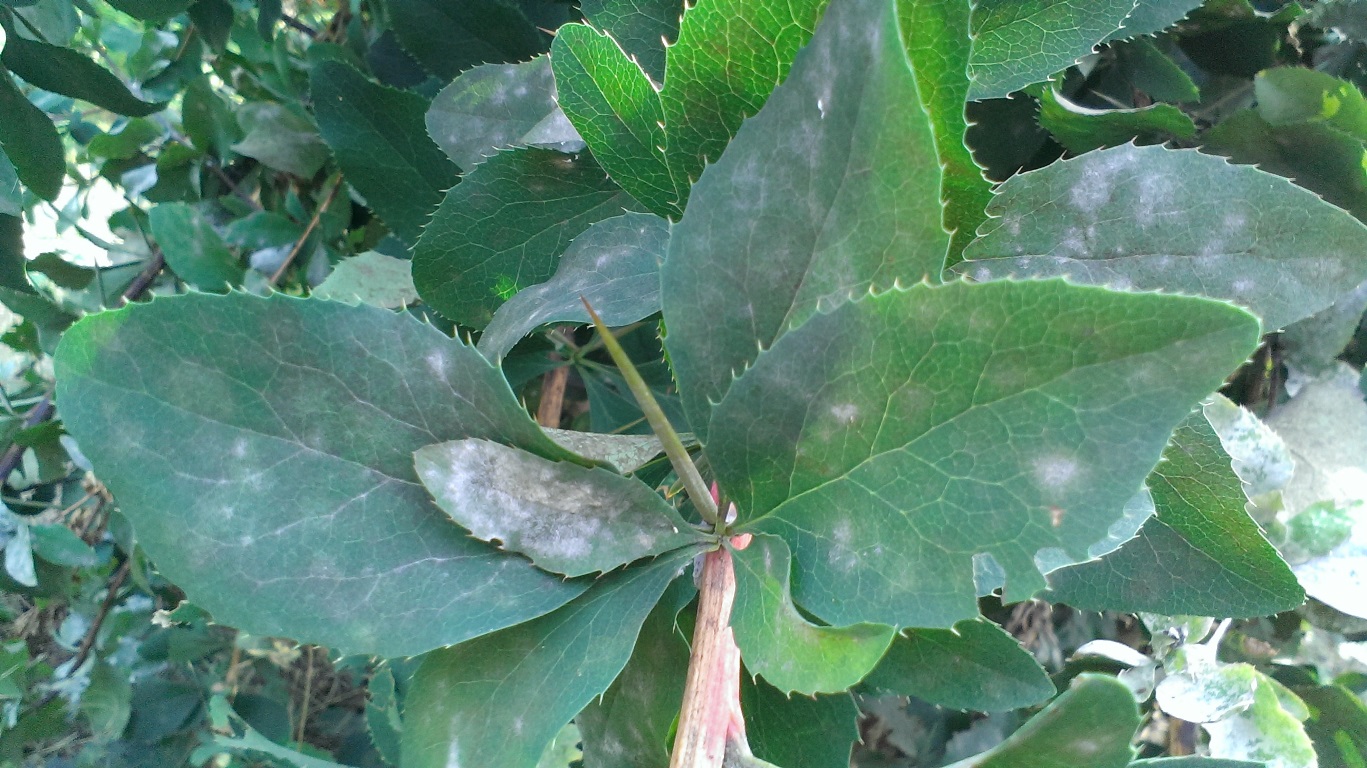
60, 271
496, 106
504, 227
618, 112
631, 724
208, 122
898, 465
447, 37
936, 35
70, 73
59, 545
11, 197
1150, 17
798, 732
268, 14
193, 249
127, 142
614, 265
500, 699
642, 27
973, 666
12, 260
1091, 725
151, 10
1154, 72
1082, 129
214, 20
777, 643
744, 267
278, 465
566, 518
1150, 218
30, 141
281, 138
379, 139
107, 701
1200, 555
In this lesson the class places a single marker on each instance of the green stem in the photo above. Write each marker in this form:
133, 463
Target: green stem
674, 448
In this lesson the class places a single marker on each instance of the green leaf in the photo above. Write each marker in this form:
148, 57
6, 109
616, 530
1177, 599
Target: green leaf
938, 45
504, 227
616, 109
614, 265
70, 73
382, 714
447, 38
59, 545
214, 20
624, 453
1020, 42
1153, 71
213, 455
1150, 218
500, 699
906, 463
1199, 689
1193, 762
370, 278
379, 139
30, 141
252, 744
496, 106
974, 666
208, 122
11, 197
744, 267
281, 138
1270, 730
151, 10
107, 702
777, 643
798, 732
642, 27
193, 248
1082, 129
631, 724
1201, 555
1337, 725
1091, 724
567, 518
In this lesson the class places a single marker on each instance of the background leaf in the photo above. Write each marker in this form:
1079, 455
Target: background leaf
447, 38
237, 529
371, 278
798, 732
193, 249
30, 141
65, 71
642, 27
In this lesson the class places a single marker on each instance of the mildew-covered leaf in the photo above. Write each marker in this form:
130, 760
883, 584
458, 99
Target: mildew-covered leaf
614, 265
624, 453
500, 699
496, 106
1090, 724
1150, 218
809, 205
1199, 689
1270, 731
504, 226
777, 643
567, 518
891, 461
263, 449
1201, 555
974, 666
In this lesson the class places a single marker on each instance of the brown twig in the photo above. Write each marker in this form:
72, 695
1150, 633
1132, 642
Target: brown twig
308, 692
552, 403
88, 642
313, 224
711, 704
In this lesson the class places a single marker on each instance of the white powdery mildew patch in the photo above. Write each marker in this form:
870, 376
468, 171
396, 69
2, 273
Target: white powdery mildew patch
1055, 472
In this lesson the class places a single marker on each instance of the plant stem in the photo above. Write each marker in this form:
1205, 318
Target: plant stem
313, 224
659, 424
711, 703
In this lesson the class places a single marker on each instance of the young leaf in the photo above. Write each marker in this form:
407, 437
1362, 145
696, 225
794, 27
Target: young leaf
810, 205
1151, 218
974, 666
896, 463
504, 227
30, 140
777, 643
193, 249
494, 106
65, 71
500, 699
567, 518
642, 27
938, 44
1091, 724
614, 265
211, 461
379, 139
618, 112
1201, 555
447, 38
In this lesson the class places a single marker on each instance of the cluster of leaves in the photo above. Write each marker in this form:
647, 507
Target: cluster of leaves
926, 432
